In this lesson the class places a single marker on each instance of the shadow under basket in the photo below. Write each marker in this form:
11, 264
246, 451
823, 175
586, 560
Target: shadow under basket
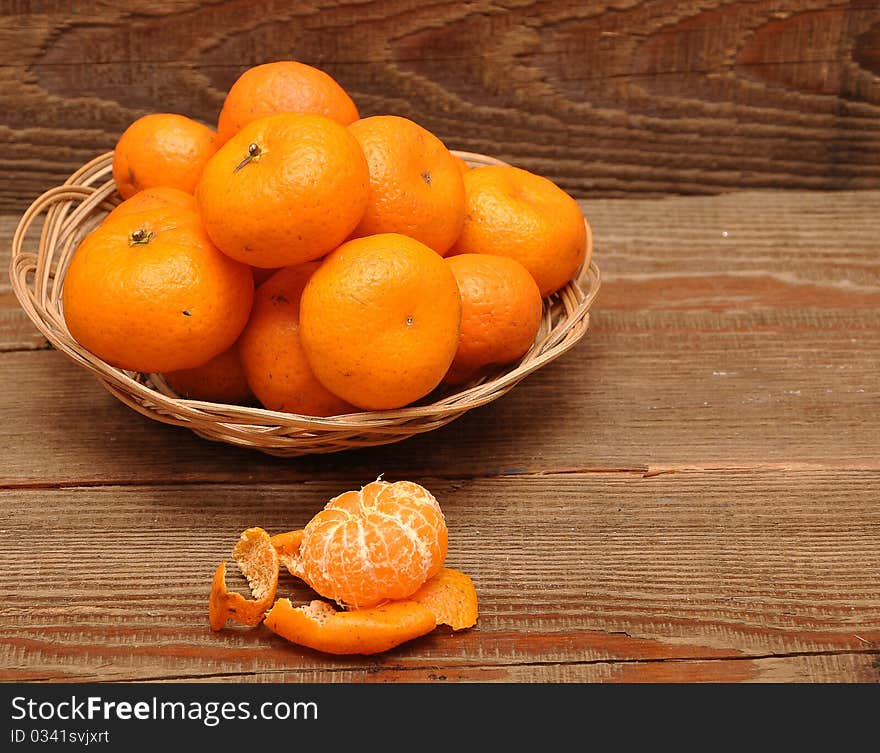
70, 211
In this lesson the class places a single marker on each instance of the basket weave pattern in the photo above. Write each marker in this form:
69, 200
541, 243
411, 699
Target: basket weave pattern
70, 211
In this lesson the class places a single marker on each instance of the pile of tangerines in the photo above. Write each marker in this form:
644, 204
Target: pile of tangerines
311, 261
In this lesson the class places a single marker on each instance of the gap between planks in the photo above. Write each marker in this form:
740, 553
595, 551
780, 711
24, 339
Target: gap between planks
645, 472
417, 674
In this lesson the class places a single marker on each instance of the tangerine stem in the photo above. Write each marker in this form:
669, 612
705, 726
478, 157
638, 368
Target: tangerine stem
140, 237
254, 152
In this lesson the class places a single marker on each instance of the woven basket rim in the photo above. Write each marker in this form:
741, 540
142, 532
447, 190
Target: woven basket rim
76, 206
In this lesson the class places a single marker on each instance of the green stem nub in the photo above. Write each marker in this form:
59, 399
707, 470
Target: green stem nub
140, 237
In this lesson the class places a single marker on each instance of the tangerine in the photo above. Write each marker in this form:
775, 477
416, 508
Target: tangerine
516, 213
272, 356
287, 545
162, 149
373, 545
283, 86
284, 190
149, 292
154, 198
501, 310
261, 274
220, 380
379, 321
462, 166
416, 186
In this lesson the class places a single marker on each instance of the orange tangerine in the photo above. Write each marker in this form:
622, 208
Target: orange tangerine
285, 189
377, 544
271, 352
283, 86
162, 149
379, 321
512, 212
501, 310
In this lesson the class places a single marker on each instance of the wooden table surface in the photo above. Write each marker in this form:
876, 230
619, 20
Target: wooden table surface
690, 494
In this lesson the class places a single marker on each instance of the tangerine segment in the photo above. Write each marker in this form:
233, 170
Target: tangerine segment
379, 321
451, 597
285, 189
258, 561
376, 544
318, 625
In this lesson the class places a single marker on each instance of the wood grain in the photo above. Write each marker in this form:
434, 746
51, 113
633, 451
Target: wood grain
601, 576
16, 330
608, 99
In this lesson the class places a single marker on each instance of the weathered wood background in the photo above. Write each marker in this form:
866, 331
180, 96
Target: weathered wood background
631, 97
690, 495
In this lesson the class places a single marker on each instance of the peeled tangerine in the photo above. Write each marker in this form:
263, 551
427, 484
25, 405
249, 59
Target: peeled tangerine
373, 545
377, 552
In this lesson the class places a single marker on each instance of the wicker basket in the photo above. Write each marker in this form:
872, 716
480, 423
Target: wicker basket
75, 208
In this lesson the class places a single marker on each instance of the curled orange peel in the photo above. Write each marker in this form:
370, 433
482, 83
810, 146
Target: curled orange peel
288, 545
451, 597
257, 558
320, 626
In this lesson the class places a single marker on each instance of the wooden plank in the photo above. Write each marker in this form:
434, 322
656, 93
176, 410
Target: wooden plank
610, 100
764, 251
807, 668
812, 668
721, 575
648, 393
17, 332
